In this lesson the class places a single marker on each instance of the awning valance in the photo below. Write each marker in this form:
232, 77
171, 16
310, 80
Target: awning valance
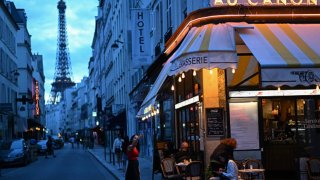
209, 46
288, 54
151, 96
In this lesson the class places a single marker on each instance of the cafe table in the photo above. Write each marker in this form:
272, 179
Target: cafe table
249, 173
182, 167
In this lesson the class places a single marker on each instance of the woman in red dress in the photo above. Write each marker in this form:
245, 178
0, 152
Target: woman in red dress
133, 172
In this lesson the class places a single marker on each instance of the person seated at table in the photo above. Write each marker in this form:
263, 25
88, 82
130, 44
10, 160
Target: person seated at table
183, 154
231, 173
222, 153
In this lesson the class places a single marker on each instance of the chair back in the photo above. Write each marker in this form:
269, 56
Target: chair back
313, 167
168, 166
193, 169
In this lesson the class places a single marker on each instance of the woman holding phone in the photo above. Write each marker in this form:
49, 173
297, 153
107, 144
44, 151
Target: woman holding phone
133, 171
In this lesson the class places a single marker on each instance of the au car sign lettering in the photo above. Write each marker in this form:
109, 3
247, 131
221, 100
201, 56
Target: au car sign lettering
306, 76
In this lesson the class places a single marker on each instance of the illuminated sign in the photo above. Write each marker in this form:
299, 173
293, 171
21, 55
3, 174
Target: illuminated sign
37, 99
187, 102
263, 2
268, 93
148, 109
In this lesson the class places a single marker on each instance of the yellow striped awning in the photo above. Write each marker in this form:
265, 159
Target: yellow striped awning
288, 54
208, 46
247, 73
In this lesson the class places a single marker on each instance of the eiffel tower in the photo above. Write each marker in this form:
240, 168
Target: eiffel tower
63, 73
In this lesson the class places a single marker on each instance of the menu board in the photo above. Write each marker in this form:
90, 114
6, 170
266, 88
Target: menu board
215, 122
244, 124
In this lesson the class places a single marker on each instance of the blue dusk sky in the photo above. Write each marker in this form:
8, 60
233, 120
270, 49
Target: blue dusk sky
43, 27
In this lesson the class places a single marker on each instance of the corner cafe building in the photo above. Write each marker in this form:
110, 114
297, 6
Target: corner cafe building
251, 72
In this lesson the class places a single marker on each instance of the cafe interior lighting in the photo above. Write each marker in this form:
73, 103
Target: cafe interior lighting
182, 75
279, 89
172, 88
317, 88
233, 70
211, 71
194, 73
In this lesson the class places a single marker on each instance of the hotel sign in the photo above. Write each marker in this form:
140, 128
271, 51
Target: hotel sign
263, 2
141, 50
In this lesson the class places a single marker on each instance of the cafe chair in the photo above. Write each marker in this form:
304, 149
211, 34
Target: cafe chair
254, 164
169, 169
193, 170
313, 168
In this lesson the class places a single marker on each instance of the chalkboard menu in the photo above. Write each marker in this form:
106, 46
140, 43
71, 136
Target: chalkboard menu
215, 123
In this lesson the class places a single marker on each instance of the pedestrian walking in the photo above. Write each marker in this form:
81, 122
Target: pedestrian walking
133, 171
72, 141
49, 145
117, 149
125, 145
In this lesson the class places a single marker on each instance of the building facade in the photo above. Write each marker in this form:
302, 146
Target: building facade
251, 76
9, 72
18, 87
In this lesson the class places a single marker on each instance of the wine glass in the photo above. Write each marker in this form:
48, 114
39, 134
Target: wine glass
244, 165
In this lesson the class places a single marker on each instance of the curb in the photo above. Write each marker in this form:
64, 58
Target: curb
102, 163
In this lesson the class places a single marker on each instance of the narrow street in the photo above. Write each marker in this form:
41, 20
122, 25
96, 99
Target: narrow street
69, 164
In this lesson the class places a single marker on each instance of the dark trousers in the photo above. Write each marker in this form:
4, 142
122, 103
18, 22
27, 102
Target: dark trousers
133, 172
215, 166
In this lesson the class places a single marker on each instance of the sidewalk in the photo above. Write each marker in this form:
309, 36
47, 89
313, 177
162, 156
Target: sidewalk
145, 165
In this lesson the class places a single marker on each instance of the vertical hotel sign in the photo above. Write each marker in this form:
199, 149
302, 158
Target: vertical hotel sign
37, 107
141, 51
263, 2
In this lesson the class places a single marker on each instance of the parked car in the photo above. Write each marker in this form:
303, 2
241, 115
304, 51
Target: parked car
42, 147
58, 142
16, 152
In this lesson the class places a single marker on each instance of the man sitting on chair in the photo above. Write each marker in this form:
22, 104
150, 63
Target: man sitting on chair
183, 153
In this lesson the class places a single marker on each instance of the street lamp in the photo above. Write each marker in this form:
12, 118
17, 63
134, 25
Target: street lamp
115, 44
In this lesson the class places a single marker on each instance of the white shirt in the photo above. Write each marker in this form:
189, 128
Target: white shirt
232, 170
117, 144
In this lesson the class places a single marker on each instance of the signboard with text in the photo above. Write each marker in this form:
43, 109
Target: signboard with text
141, 51
214, 3
215, 122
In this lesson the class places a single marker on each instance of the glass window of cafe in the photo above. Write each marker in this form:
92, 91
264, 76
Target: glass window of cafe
293, 120
188, 116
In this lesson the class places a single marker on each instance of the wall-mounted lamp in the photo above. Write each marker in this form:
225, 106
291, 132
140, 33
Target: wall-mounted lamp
194, 73
15, 73
115, 44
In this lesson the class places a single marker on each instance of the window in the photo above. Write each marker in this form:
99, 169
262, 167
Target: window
168, 12
292, 121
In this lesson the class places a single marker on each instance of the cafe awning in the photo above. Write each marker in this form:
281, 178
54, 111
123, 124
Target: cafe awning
208, 46
288, 54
